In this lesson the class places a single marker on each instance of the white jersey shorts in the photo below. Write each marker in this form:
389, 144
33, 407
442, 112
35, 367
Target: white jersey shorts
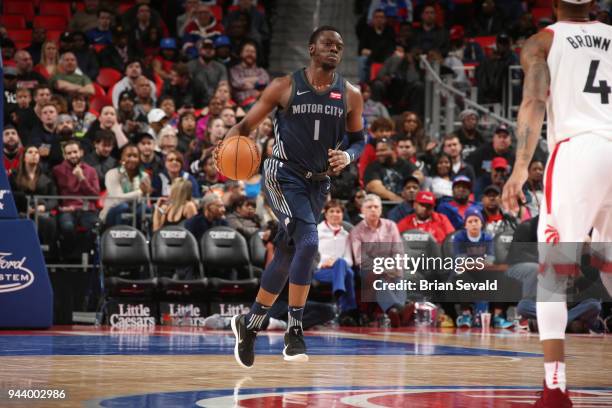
577, 199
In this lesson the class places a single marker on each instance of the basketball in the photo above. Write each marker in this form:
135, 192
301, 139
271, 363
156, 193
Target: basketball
238, 158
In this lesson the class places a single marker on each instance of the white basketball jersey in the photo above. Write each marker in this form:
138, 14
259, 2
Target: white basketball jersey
580, 63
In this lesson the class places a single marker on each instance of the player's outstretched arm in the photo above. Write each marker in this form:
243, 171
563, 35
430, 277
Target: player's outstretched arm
274, 95
354, 128
531, 114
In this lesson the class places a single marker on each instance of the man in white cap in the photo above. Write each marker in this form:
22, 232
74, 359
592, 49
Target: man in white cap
567, 68
157, 119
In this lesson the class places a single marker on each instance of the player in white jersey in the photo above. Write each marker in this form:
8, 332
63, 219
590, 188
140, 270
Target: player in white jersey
567, 68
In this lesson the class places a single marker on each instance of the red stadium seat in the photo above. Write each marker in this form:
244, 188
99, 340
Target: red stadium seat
50, 22
235, 7
56, 9
124, 7
20, 8
20, 45
54, 35
217, 11
20, 35
487, 43
539, 13
108, 77
13, 22
159, 84
374, 68
98, 102
98, 47
100, 92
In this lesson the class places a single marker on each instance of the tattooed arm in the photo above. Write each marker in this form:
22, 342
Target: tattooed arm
531, 114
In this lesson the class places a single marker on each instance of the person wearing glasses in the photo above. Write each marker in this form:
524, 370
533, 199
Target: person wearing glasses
173, 169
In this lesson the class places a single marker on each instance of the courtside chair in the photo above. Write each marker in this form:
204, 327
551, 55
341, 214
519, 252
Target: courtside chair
176, 264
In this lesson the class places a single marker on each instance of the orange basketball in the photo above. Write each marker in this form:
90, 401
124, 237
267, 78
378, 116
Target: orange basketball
238, 158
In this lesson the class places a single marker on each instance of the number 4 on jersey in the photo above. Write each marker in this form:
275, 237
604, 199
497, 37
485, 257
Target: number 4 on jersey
603, 89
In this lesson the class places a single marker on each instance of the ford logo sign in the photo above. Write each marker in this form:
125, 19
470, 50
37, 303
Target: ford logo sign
14, 275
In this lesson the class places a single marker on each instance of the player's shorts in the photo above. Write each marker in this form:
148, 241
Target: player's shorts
577, 198
292, 196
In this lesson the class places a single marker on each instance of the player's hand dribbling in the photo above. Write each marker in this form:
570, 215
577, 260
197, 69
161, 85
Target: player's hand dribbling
513, 191
338, 160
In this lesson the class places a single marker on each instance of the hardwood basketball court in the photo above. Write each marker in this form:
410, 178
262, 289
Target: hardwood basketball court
184, 367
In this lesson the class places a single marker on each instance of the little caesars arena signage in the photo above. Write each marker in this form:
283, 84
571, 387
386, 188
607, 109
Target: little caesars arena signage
131, 315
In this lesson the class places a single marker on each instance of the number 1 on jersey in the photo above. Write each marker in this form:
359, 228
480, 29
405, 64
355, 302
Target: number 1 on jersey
316, 129
603, 89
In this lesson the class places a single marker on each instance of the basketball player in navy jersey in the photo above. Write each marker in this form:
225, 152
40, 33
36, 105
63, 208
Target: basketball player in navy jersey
315, 109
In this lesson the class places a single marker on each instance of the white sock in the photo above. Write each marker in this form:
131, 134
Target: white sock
552, 320
555, 375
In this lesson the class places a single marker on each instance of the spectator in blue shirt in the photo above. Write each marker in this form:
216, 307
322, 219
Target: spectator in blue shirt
472, 241
102, 33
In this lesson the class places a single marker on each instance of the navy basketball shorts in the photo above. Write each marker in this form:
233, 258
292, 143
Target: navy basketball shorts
293, 197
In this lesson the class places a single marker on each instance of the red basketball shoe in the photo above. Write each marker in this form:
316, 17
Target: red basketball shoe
553, 398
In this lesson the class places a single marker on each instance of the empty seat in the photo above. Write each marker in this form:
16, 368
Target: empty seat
20, 8
108, 77
99, 91
21, 45
125, 263
13, 22
54, 35
539, 13
124, 7
24, 36
55, 9
217, 11
374, 69
225, 256
98, 102
176, 263
50, 22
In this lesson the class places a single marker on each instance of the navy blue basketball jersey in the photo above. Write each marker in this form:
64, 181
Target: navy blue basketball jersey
311, 123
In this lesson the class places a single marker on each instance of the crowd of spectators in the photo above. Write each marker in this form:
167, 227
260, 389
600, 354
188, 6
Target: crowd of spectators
125, 108
123, 105
474, 41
